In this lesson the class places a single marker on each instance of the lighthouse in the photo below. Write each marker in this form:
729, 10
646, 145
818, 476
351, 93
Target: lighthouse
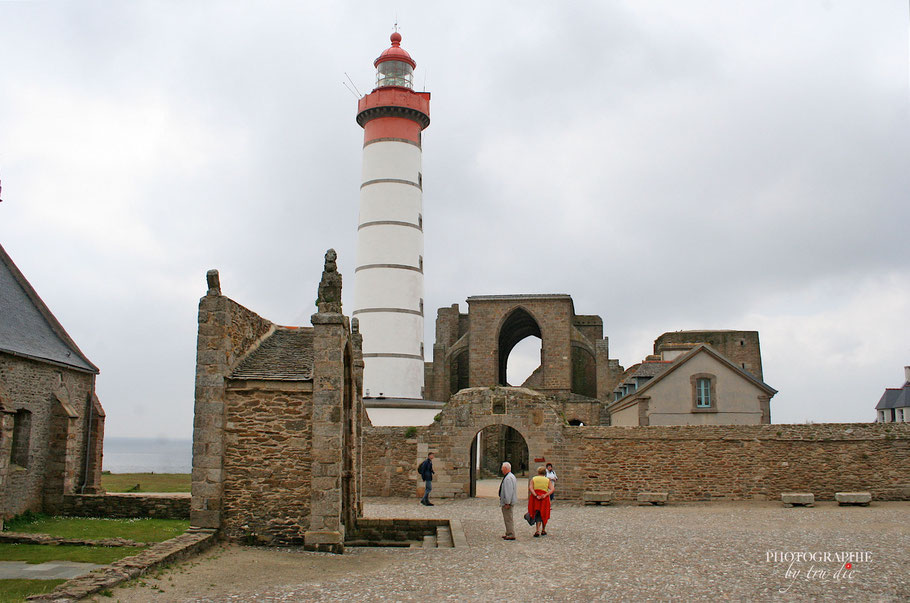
388, 277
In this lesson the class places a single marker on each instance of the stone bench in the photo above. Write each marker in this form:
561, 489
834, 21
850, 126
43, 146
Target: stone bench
597, 498
853, 498
798, 499
652, 498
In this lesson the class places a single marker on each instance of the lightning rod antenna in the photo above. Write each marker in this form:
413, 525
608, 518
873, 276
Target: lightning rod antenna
353, 84
345, 84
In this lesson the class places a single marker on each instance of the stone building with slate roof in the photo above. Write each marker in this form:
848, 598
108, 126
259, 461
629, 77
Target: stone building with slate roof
52, 422
894, 405
690, 384
278, 422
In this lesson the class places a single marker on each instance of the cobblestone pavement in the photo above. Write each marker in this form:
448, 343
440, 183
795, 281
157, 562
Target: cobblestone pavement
689, 552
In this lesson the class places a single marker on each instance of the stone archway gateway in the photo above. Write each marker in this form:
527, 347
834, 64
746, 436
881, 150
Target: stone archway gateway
493, 445
454, 433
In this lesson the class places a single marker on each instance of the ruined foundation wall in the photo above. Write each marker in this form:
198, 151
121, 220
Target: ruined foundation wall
175, 506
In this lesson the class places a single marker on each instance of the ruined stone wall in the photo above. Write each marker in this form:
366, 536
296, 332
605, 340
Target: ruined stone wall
226, 331
575, 408
554, 317
468, 412
276, 447
267, 461
691, 463
390, 460
574, 354
54, 462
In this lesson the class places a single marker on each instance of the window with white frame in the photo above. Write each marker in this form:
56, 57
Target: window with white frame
703, 392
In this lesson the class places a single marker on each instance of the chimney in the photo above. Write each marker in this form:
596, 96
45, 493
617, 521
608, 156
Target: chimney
907, 374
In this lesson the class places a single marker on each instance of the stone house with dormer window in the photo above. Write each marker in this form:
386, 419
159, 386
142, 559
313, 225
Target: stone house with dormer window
699, 386
894, 405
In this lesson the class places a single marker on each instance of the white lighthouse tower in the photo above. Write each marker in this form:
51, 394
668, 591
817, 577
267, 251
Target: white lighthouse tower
388, 279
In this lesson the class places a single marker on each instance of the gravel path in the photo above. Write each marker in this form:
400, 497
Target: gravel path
689, 552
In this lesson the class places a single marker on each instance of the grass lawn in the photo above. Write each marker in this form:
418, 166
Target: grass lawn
141, 530
147, 482
39, 553
18, 590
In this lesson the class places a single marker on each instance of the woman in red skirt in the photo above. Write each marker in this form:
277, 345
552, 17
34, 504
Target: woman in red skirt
539, 490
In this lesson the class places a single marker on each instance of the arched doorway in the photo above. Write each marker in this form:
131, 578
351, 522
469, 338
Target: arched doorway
490, 447
515, 328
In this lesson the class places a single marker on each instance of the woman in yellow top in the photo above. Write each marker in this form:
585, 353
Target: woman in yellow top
540, 487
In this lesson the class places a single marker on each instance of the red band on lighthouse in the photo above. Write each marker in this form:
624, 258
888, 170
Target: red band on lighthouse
392, 127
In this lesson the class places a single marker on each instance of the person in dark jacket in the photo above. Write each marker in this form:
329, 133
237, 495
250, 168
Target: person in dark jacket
426, 474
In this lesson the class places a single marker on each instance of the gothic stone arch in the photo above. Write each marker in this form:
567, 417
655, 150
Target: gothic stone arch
473, 409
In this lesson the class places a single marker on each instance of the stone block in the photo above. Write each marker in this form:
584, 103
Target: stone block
653, 498
322, 536
853, 498
798, 499
597, 498
205, 519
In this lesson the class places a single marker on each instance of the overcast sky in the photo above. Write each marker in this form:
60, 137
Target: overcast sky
671, 165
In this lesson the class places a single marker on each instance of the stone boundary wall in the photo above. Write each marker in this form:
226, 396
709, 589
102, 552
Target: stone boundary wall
754, 462
176, 506
390, 461
695, 463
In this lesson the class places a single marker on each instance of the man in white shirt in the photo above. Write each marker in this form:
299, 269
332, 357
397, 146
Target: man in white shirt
551, 475
508, 497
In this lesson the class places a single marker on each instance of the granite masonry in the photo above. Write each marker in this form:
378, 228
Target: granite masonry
161, 506
283, 452
691, 463
51, 421
278, 422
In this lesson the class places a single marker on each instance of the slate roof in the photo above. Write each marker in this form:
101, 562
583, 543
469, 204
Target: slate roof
895, 398
286, 355
650, 368
27, 326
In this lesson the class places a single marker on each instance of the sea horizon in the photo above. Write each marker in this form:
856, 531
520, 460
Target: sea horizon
147, 455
